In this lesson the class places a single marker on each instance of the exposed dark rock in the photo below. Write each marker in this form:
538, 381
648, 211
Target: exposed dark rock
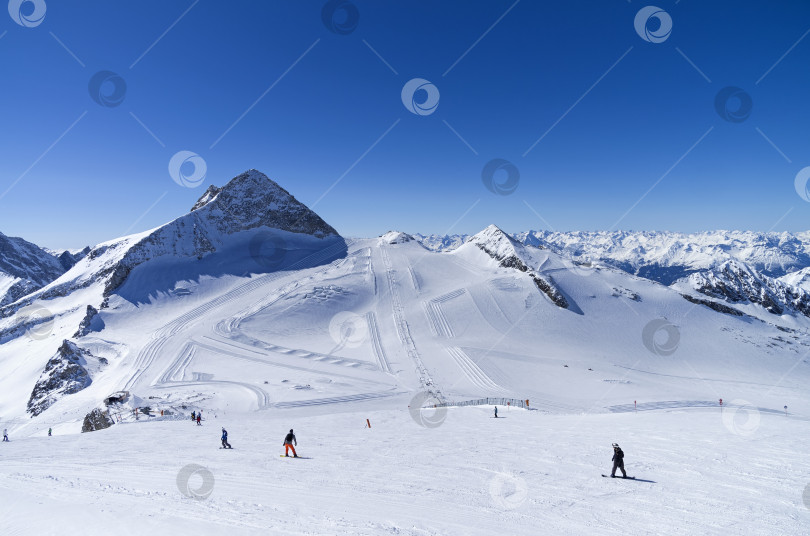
90, 323
68, 260
97, 419
64, 374
719, 307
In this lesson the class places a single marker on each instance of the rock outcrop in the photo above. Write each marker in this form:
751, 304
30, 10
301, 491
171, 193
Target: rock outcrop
64, 374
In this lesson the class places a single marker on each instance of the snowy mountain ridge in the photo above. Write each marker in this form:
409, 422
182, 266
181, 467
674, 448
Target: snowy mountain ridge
224, 218
664, 256
736, 283
25, 267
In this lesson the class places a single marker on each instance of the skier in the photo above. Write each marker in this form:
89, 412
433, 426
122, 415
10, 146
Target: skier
49, 432
288, 444
496, 412
199, 418
5, 434
193, 416
618, 461
225, 443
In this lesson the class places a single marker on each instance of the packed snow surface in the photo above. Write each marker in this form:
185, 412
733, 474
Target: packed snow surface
387, 359
697, 472
328, 342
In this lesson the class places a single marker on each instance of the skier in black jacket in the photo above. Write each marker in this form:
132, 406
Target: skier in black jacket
289, 439
618, 461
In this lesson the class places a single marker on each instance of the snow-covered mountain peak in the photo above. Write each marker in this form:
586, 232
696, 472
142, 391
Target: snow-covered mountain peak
258, 223
509, 253
396, 237
251, 200
496, 243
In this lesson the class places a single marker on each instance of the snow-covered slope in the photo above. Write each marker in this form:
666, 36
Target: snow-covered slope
254, 310
702, 471
249, 226
799, 278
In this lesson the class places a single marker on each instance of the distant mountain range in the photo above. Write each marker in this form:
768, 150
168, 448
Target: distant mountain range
664, 256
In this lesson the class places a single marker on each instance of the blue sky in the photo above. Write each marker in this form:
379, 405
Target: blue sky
267, 85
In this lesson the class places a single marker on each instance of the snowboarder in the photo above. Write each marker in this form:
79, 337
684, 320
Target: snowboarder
288, 444
193, 416
5, 434
225, 443
496, 412
49, 432
199, 418
618, 461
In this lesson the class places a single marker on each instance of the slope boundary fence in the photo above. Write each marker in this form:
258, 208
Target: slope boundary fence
512, 402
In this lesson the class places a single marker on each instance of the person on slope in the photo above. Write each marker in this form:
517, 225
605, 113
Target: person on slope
289, 439
5, 434
193, 416
496, 412
49, 431
618, 461
199, 418
225, 443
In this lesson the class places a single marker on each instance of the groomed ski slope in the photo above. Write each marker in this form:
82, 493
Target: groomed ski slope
526, 473
322, 348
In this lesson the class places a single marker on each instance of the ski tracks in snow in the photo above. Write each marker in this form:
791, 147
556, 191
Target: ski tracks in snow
437, 320
441, 327
376, 343
471, 371
402, 325
148, 353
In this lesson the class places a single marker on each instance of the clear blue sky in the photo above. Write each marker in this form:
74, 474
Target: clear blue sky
623, 111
